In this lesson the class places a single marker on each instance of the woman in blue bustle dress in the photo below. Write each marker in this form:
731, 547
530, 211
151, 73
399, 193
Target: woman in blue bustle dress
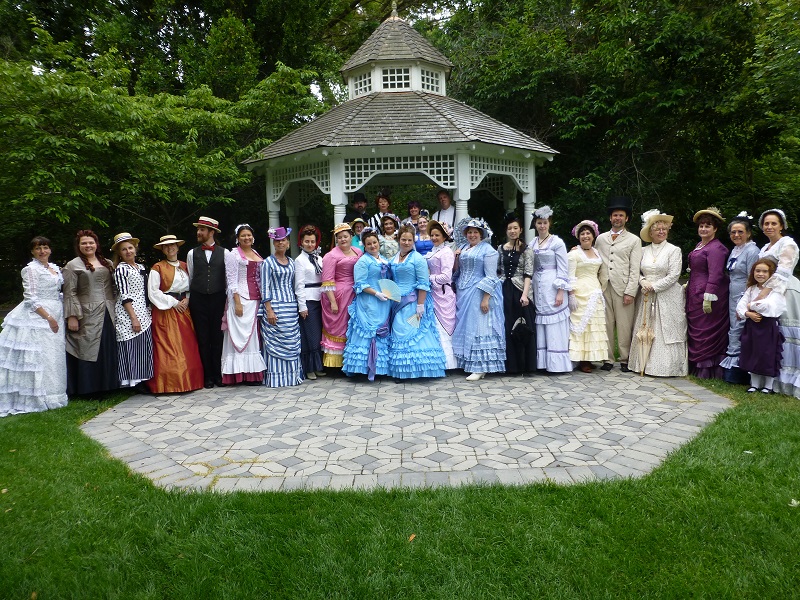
366, 351
479, 340
414, 348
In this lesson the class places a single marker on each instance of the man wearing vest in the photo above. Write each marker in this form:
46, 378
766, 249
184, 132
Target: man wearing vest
622, 252
206, 265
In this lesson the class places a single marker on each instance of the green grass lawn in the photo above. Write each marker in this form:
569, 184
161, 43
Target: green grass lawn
714, 521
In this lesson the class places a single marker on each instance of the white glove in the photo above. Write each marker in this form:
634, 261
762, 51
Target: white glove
646, 286
420, 310
573, 302
381, 296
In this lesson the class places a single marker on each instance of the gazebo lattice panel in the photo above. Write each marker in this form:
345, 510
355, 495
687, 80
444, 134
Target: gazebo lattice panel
318, 172
481, 166
494, 184
441, 168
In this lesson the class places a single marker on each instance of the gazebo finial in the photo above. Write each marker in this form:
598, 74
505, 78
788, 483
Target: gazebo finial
394, 9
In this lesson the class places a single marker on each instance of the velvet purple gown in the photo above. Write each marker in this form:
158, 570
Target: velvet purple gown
708, 333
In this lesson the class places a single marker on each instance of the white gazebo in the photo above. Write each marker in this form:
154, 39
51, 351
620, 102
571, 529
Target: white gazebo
398, 127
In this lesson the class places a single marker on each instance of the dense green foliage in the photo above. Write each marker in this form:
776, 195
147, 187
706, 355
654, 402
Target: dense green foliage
136, 115
714, 521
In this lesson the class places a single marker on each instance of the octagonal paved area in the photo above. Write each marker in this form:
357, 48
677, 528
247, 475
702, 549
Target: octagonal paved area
336, 433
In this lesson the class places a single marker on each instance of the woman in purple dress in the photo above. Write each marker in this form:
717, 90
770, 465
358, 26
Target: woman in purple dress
707, 298
440, 266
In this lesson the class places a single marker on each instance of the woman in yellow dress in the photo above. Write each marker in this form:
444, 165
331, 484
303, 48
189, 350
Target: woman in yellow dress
588, 340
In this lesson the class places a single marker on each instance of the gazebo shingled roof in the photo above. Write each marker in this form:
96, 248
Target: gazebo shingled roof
399, 118
394, 39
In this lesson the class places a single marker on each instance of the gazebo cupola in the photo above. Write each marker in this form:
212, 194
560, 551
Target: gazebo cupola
399, 127
396, 58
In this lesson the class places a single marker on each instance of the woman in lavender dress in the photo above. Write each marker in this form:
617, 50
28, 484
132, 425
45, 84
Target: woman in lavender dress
550, 289
707, 298
740, 261
440, 266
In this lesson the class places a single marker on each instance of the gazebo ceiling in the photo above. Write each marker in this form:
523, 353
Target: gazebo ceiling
395, 39
397, 118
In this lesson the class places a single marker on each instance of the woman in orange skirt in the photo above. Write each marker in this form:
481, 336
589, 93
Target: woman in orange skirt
176, 360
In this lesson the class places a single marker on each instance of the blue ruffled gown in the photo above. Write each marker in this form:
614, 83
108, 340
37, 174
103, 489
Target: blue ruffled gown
479, 340
413, 352
368, 327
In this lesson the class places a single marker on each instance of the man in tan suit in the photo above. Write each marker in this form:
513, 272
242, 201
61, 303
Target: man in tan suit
622, 252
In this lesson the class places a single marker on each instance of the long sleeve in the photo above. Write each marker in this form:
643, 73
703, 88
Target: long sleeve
717, 257
787, 256
121, 281
231, 273
741, 306
30, 293
299, 290
329, 270
446, 261
562, 280
421, 273
490, 282
673, 270
158, 298
266, 292
632, 286
190, 264
72, 306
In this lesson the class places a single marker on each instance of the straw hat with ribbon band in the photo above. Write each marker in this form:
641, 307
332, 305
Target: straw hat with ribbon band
279, 233
124, 237
166, 240
711, 211
357, 220
650, 217
591, 224
208, 222
443, 227
773, 211
342, 227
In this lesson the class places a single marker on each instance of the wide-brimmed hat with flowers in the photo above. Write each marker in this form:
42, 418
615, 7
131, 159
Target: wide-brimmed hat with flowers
595, 229
342, 227
650, 217
465, 224
208, 222
166, 240
279, 233
443, 227
124, 237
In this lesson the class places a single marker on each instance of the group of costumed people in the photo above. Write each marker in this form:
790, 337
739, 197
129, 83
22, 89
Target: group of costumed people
442, 300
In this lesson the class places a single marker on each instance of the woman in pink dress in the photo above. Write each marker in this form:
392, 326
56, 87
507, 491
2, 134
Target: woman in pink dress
440, 265
338, 293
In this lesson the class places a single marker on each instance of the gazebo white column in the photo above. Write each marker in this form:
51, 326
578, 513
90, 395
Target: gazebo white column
292, 202
463, 186
273, 207
338, 195
529, 203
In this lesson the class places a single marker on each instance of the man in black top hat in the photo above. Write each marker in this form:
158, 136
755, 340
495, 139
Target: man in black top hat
207, 287
359, 209
622, 252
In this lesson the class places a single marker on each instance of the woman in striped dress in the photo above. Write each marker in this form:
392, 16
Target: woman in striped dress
134, 336
284, 299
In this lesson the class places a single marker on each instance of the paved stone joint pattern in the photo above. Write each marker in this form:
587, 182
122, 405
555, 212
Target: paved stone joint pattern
336, 433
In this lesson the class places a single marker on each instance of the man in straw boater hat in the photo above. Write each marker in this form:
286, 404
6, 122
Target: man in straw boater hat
622, 252
206, 264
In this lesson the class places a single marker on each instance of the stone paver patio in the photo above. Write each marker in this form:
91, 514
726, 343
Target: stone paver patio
338, 434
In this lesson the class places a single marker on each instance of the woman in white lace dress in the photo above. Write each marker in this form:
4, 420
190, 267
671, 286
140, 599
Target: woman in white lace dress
663, 302
33, 367
783, 251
